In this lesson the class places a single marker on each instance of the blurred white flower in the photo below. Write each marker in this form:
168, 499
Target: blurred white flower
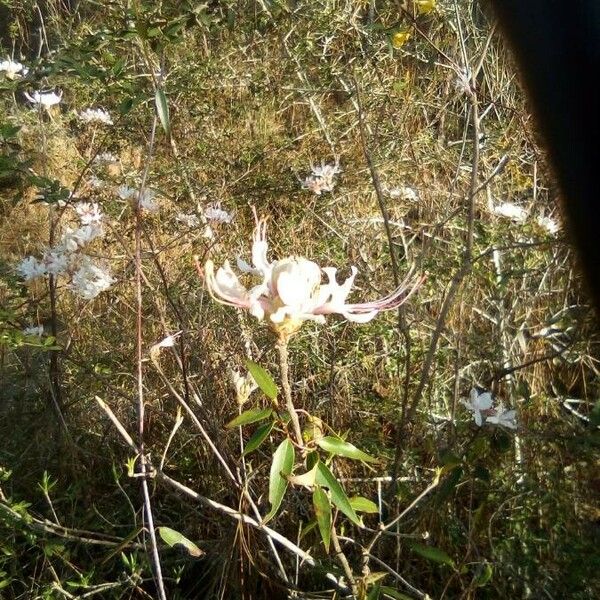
88, 212
463, 81
169, 341
72, 239
31, 268
90, 280
218, 214
56, 261
510, 211
87, 233
403, 193
125, 192
96, 182
244, 386
13, 68
34, 331
549, 224
322, 178
45, 99
106, 158
478, 404
188, 219
91, 115
147, 201
505, 418
290, 290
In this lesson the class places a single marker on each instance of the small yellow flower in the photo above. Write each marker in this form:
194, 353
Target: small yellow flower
400, 38
424, 7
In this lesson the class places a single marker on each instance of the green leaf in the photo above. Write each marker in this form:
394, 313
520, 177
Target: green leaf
392, 593
258, 437
339, 447
483, 575
360, 504
263, 379
326, 478
431, 553
595, 415
374, 592
162, 108
173, 538
323, 514
250, 416
281, 468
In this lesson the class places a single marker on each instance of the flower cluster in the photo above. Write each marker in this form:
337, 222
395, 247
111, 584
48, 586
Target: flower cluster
87, 279
34, 331
322, 178
481, 405
96, 115
404, 192
510, 211
13, 69
290, 291
146, 198
44, 99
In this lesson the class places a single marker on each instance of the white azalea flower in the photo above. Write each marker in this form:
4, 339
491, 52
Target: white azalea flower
290, 290
73, 239
188, 219
322, 178
549, 224
12, 68
31, 268
88, 212
218, 214
147, 201
125, 192
56, 261
463, 81
478, 404
90, 280
96, 182
106, 158
34, 331
505, 418
99, 115
45, 99
403, 193
510, 211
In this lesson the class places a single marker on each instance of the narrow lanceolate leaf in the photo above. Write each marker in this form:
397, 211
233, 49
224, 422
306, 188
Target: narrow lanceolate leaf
162, 109
250, 416
263, 379
258, 437
174, 538
483, 575
323, 514
431, 553
392, 593
326, 478
281, 468
339, 447
360, 504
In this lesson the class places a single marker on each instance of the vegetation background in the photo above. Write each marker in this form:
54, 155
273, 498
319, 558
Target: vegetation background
230, 104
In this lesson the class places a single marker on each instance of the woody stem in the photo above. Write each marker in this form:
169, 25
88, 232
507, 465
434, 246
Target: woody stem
287, 390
